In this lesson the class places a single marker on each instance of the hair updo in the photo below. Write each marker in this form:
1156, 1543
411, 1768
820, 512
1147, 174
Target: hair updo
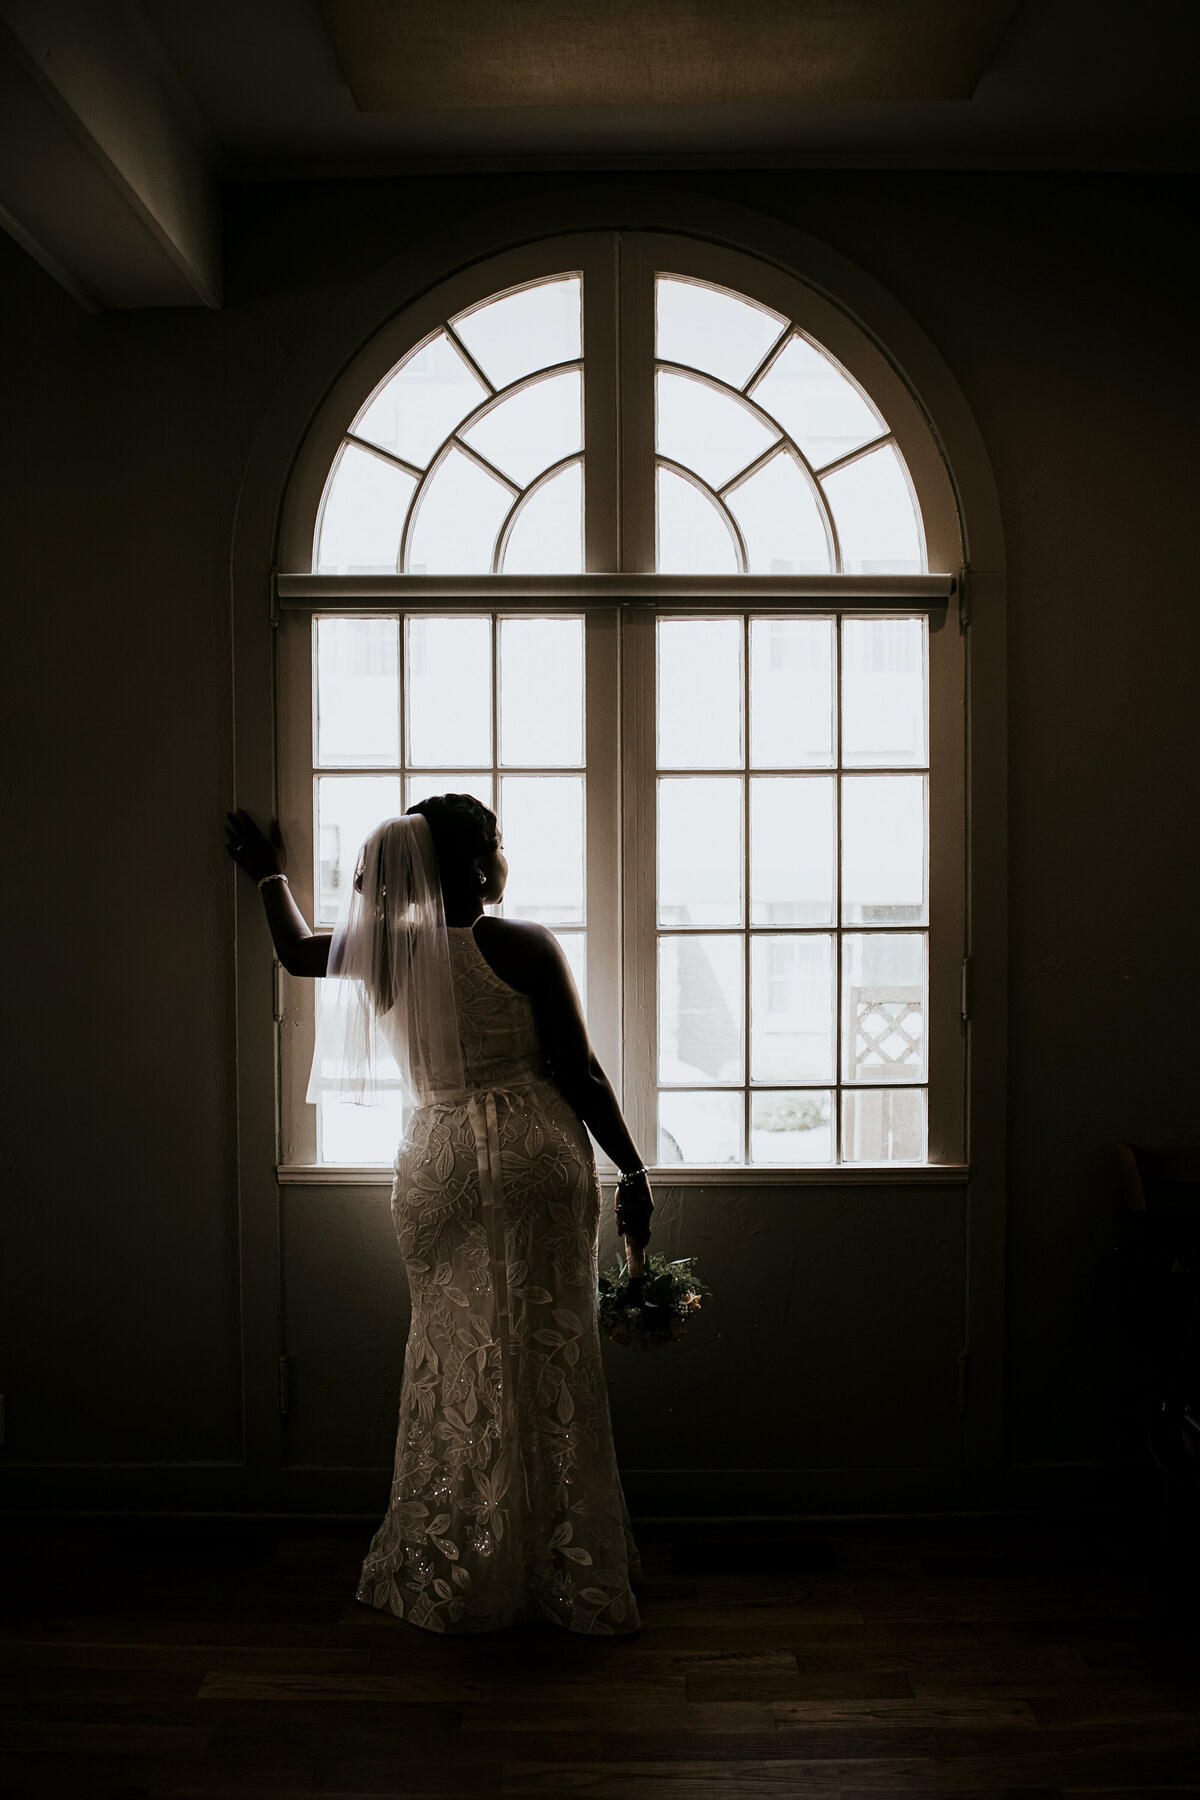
463, 830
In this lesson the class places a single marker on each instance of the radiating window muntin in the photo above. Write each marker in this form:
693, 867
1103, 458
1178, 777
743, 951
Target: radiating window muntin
409, 705
468, 455
792, 895
792, 469
467, 458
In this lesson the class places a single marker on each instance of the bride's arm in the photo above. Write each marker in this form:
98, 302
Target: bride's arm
301, 950
578, 1072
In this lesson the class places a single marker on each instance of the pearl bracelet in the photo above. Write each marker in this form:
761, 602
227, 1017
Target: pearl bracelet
631, 1175
279, 877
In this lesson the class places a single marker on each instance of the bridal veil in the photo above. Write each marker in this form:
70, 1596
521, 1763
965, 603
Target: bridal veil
387, 1019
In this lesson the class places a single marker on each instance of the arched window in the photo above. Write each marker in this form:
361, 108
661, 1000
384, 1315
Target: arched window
631, 536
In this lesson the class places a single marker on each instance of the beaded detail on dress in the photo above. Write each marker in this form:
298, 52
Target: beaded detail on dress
506, 1503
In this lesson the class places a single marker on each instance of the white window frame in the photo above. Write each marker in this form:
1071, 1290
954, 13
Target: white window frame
620, 597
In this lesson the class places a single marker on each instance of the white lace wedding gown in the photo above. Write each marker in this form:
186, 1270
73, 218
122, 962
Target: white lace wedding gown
506, 1502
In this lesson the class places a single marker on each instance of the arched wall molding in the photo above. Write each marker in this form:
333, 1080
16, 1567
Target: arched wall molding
326, 358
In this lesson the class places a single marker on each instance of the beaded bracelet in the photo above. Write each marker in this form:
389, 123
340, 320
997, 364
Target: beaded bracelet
277, 877
631, 1175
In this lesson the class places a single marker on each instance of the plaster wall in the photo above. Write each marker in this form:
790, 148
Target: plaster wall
1058, 304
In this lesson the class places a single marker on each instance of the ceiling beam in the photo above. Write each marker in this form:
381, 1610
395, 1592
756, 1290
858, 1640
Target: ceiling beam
102, 178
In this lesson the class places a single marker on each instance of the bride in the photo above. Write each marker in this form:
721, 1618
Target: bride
506, 1503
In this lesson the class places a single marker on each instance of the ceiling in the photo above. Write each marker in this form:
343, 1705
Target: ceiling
474, 54
1074, 83
121, 123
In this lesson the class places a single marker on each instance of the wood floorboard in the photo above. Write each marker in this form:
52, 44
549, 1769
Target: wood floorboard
194, 1660
981, 1659
958, 1712
718, 1719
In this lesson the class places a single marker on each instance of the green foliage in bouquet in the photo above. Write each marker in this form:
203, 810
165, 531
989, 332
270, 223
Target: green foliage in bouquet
656, 1315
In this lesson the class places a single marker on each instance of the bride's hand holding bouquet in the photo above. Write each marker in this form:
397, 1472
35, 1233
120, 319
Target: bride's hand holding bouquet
647, 1304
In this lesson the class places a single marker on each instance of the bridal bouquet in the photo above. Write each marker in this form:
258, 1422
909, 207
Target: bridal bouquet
647, 1312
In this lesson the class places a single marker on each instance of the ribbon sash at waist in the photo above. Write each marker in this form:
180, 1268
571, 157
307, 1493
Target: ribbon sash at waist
516, 1082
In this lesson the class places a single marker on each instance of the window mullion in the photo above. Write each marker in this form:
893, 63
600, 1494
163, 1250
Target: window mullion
635, 348
601, 409
946, 932
296, 1011
603, 826
639, 791
747, 995
639, 826
839, 999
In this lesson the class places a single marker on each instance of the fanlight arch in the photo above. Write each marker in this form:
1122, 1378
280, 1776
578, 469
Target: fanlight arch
477, 451
468, 430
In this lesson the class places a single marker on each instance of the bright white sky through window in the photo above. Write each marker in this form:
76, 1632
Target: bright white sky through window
791, 783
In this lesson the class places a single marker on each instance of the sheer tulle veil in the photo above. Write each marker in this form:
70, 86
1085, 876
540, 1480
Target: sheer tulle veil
387, 1017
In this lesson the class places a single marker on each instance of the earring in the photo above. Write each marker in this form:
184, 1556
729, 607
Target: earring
482, 879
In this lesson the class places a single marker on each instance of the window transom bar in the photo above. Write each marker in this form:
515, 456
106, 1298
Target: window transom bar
301, 593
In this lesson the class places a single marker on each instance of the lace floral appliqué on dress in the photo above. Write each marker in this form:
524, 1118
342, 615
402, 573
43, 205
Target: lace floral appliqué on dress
506, 1503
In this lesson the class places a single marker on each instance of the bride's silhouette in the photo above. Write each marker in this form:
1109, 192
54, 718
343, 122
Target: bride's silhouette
506, 1503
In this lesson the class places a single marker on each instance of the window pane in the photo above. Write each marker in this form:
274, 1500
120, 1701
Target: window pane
699, 1128
883, 1125
536, 426
712, 329
349, 807
448, 681
541, 692
791, 1008
700, 1009
817, 406
451, 781
781, 521
362, 520
547, 533
883, 693
791, 1127
700, 850
791, 693
359, 1134
526, 330
875, 515
706, 430
574, 944
791, 850
699, 693
542, 821
458, 518
883, 850
693, 536
418, 407
358, 691
883, 1006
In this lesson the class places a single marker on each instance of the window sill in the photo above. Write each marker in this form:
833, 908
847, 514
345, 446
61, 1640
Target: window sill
674, 1175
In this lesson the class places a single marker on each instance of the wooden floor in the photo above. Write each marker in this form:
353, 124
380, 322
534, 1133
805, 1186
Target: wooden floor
984, 1659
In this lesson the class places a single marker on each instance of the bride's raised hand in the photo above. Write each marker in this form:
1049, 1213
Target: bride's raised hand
299, 949
257, 854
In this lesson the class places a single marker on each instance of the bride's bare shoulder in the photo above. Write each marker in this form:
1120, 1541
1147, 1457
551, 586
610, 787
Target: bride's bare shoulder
519, 950
513, 930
